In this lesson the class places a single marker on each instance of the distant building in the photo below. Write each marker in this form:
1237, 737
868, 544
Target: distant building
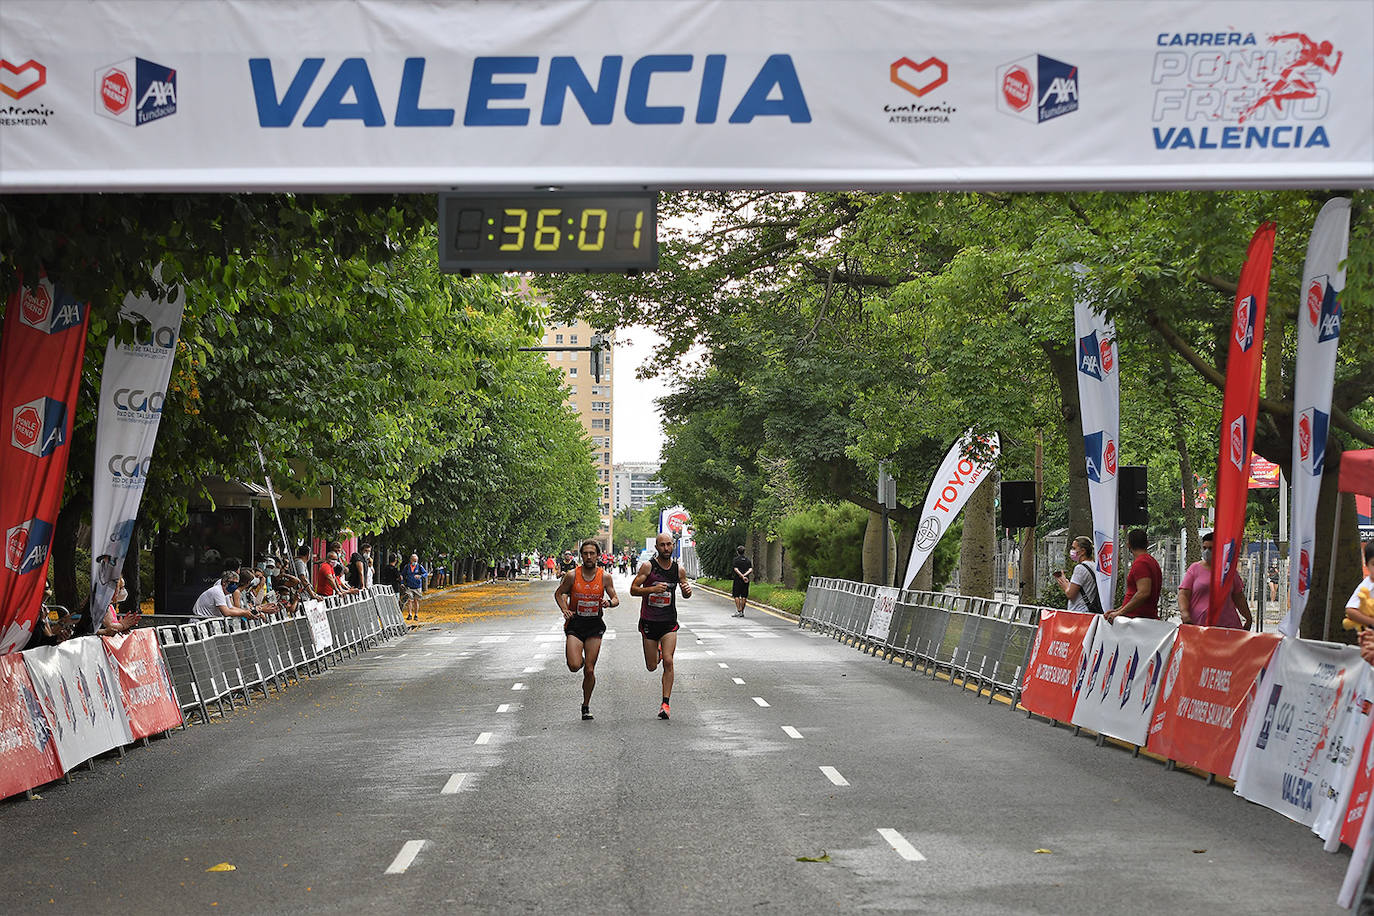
593, 402
635, 485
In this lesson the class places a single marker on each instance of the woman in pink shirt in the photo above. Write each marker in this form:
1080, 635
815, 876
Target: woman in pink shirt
1194, 594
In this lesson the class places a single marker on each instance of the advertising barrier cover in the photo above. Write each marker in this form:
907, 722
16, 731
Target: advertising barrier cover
77, 692
1055, 673
1298, 753
880, 621
1124, 669
145, 685
1359, 794
1099, 399
1208, 689
27, 755
319, 625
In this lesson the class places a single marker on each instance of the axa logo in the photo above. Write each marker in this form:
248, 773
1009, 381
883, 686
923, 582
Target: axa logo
1107, 674
48, 309
658, 89
1123, 691
1244, 324
919, 79
1100, 452
1313, 426
18, 80
26, 546
136, 91
1269, 712
39, 427
1037, 88
1239, 442
1323, 309
1094, 357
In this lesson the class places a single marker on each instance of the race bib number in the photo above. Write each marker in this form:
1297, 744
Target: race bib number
662, 600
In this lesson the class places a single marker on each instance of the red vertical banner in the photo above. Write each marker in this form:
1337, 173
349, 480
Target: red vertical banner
1239, 405
40, 366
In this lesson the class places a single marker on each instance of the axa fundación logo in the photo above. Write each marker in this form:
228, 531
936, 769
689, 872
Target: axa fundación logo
136, 91
1037, 88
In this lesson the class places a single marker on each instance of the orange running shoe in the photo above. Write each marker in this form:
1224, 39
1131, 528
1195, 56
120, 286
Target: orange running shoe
663, 711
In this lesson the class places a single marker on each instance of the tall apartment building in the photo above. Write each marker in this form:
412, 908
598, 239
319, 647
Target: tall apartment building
592, 401
634, 485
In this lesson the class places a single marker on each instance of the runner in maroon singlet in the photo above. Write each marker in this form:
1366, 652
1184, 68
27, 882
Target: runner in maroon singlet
656, 582
580, 598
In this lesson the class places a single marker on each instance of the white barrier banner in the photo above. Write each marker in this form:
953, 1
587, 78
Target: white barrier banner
880, 621
955, 481
80, 697
1121, 677
1319, 333
875, 94
319, 625
133, 386
1100, 408
1298, 752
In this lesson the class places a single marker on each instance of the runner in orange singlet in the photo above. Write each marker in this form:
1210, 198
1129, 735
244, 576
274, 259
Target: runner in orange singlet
581, 596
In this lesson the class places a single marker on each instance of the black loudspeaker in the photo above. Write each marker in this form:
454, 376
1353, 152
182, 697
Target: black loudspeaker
1018, 503
1132, 502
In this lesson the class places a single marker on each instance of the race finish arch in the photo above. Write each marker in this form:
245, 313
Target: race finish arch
618, 95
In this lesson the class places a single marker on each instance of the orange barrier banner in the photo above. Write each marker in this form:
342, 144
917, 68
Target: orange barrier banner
1359, 795
27, 755
1208, 691
144, 683
1057, 663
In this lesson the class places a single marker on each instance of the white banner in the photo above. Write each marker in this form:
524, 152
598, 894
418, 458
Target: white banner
133, 386
880, 621
1319, 332
1298, 752
1099, 400
873, 94
319, 625
80, 697
958, 477
1121, 675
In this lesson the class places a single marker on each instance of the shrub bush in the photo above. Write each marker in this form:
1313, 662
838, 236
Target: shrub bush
825, 540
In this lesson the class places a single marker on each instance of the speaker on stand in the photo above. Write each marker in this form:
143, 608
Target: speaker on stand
1018, 504
1132, 495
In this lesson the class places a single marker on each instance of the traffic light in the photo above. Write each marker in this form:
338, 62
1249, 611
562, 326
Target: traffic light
598, 347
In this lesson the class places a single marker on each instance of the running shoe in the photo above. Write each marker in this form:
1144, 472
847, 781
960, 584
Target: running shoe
663, 711
586, 714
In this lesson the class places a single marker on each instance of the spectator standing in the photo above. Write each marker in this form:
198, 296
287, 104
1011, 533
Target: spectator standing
1144, 580
1194, 594
357, 566
1080, 586
300, 568
1273, 578
413, 577
1360, 608
742, 569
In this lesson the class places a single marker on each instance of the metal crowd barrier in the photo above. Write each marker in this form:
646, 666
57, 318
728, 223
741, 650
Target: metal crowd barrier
219, 660
982, 642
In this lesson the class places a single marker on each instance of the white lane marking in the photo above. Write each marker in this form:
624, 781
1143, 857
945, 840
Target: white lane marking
455, 782
407, 855
761, 634
761, 701
529, 670
518, 686
497, 637
442, 640
541, 655
899, 843
484, 738
791, 732
737, 680
609, 634
834, 776
549, 638
722, 664
709, 652
504, 707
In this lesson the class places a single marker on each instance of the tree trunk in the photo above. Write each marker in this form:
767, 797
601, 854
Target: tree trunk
1065, 370
132, 568
66, 590
873, 550
977, 549
906, 540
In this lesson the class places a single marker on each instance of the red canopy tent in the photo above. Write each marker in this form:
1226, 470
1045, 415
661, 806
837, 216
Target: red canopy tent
1357, 476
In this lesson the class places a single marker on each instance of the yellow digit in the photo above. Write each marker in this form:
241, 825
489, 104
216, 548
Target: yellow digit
517, 230
599, 243
546, 235
639, 227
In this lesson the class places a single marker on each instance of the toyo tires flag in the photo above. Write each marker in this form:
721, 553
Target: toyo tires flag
40, 367
1238, 408
959, 475
1319, 332
1099, 401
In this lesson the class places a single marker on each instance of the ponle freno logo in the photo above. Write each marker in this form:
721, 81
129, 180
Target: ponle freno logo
49, 309
1037, 88
35, 305
39, 427
135, 91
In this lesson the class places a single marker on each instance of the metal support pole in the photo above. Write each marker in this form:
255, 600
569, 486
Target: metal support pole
1331, 568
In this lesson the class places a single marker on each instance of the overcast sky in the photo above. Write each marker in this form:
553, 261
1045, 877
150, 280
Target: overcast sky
637, 424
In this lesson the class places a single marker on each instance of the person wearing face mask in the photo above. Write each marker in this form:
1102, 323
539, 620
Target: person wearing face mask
1081, 585
218, 601
327, 581
113, 622
1194, 595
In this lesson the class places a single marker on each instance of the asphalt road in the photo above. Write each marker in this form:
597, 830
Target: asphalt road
449, 771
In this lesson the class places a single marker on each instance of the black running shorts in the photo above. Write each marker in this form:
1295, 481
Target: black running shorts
656, 629
584, 628
740, 588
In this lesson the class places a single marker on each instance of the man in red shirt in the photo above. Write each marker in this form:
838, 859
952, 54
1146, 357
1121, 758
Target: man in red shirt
1144, 581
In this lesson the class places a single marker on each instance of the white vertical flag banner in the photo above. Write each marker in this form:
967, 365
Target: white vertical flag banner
1099, 399
133, 387
1319, 332
959, 475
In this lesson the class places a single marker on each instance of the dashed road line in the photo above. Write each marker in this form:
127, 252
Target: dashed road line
455, 782
504, 707
761, 701
405, 857
834, 776
722, 664
791, 732
530, 670
517, 686
484, 738
737, 680
899, 843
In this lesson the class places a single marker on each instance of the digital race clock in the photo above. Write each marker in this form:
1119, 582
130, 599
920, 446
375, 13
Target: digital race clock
549, 233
